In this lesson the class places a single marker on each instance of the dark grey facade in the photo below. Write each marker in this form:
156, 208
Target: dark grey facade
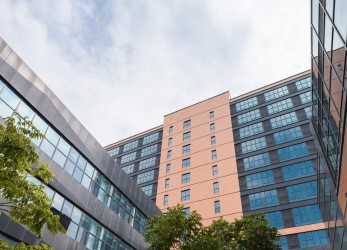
104, 207
276, 160
139, 157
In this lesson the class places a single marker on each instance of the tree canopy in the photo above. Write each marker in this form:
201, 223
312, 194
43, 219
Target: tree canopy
175, 230
24, 201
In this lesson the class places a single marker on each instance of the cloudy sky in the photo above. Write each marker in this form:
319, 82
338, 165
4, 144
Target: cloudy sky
120, 66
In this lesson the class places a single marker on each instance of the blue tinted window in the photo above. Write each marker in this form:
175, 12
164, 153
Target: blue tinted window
150, 138
287, 135
283, 120
9, 98
302, 191
128, 157
5, 110
147, 189
256, 161
276, 93
251, 130
185, 195
130, 145
307, 215
249, 116
113, 152
253, 145
305, 97
292, 152
263, 199
297, 170
308, 112
149, 150
279, 106
128, 169
185, 178
251, 102
283, 242
144, 177
25, 111
185, 163
314, 238
275, 219
260, 179
186, 149
303, 84
217, 207
47, 147
147, 163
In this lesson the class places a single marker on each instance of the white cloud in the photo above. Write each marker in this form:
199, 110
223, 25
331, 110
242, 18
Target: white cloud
122, 65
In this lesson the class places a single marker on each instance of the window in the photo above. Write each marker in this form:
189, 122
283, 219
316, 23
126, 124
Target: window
249, 116
167, 183
144, 177
185, 178
276, 93
214, 170
186, 211
169, 143
128, 157
213, 140
113, 152
307, 215
283, 242
186, 163
211, 115
186, 136
215, 187
260, 179
275, 219
279, 106
314, 238
212, 128
149, 150
169, 154
130, 145
253, 145
186, 149
187, 124
302, 191
128, 169
148, 190
251, 130
166, 200
297, 170
308, 112
170, 130
303, 84
256, 161
150, 162
214, 154
150, 138
251, 102
168, 168
292, 152
263, 199
287, 135
217, 207
283, 120
185, 195
305, 97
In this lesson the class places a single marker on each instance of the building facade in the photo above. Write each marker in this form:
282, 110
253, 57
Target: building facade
100, 206
328, 60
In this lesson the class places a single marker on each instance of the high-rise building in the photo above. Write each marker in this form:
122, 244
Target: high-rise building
233, 156
98, 203
329, 36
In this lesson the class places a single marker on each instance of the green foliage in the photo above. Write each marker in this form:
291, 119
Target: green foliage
173, 230
21, 246
25, 202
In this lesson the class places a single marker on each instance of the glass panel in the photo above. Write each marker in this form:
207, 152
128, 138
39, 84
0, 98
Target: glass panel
40, 124
59, 158
89, 170
69, 167
78, 174
47, 147
338, 57
58, 201
314, 45
73, 155
72, 230
328, 35
25, 111
52, 136
10, 98
5, 111
315, 13
329, 6
81, 162
67, 208
86, 181
341, 17
64, 147
76, 215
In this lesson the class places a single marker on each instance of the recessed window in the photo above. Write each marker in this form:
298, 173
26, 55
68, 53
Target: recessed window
169, 154
185, 195
166, 200
187, 124
185, 178
186, 211
130, 145
215, 187
217, 207
168, 168
186, 136
212, 128
186, 163
186, 149
169, 142
211, 115
214, 154
214, 170
170, 130
213, 140
167, 183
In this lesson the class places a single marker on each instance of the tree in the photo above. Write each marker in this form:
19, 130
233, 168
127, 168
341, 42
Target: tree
175, 230
25, 202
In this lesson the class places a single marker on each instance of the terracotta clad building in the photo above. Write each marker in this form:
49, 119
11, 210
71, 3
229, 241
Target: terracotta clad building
232, 156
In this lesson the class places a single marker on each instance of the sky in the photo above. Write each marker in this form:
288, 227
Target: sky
120, 66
